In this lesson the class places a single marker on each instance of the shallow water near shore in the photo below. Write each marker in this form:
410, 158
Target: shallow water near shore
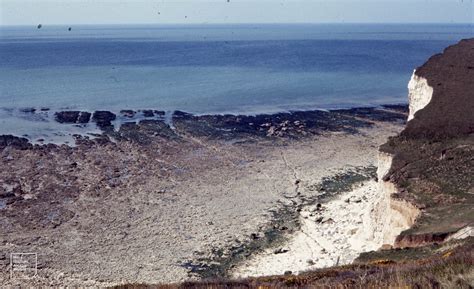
207, 69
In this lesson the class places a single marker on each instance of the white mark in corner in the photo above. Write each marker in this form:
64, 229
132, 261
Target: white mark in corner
23, 265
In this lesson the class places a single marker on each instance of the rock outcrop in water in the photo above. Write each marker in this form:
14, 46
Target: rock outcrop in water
104, 119
425, 173
15, 142
72, 116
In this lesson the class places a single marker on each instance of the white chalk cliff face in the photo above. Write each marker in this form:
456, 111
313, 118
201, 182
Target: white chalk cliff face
391, 216
419, 94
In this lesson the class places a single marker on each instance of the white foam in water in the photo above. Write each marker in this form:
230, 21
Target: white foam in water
40, 127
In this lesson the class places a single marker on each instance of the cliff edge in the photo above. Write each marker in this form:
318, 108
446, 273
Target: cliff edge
428, 180
441, 95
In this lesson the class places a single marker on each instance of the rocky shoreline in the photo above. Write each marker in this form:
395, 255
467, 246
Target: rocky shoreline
295, 124
156, 197
180, 198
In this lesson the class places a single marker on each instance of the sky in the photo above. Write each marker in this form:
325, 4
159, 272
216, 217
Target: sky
67, 12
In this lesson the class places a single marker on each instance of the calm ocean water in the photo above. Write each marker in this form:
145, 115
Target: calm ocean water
213, 68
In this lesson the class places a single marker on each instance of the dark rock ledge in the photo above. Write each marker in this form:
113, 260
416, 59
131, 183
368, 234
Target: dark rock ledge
72, 116
14, 142
104, 119
142, 125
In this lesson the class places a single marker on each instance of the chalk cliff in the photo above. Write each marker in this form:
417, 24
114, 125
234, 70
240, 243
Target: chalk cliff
419, 94
425, 174
442, 95
392, 215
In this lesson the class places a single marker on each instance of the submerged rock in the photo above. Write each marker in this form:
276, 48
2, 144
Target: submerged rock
104, 119
13, 141
84, 117
72, 116
148, 113
28, 110
128, 113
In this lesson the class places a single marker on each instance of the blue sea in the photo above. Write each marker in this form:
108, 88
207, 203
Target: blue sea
213, 68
